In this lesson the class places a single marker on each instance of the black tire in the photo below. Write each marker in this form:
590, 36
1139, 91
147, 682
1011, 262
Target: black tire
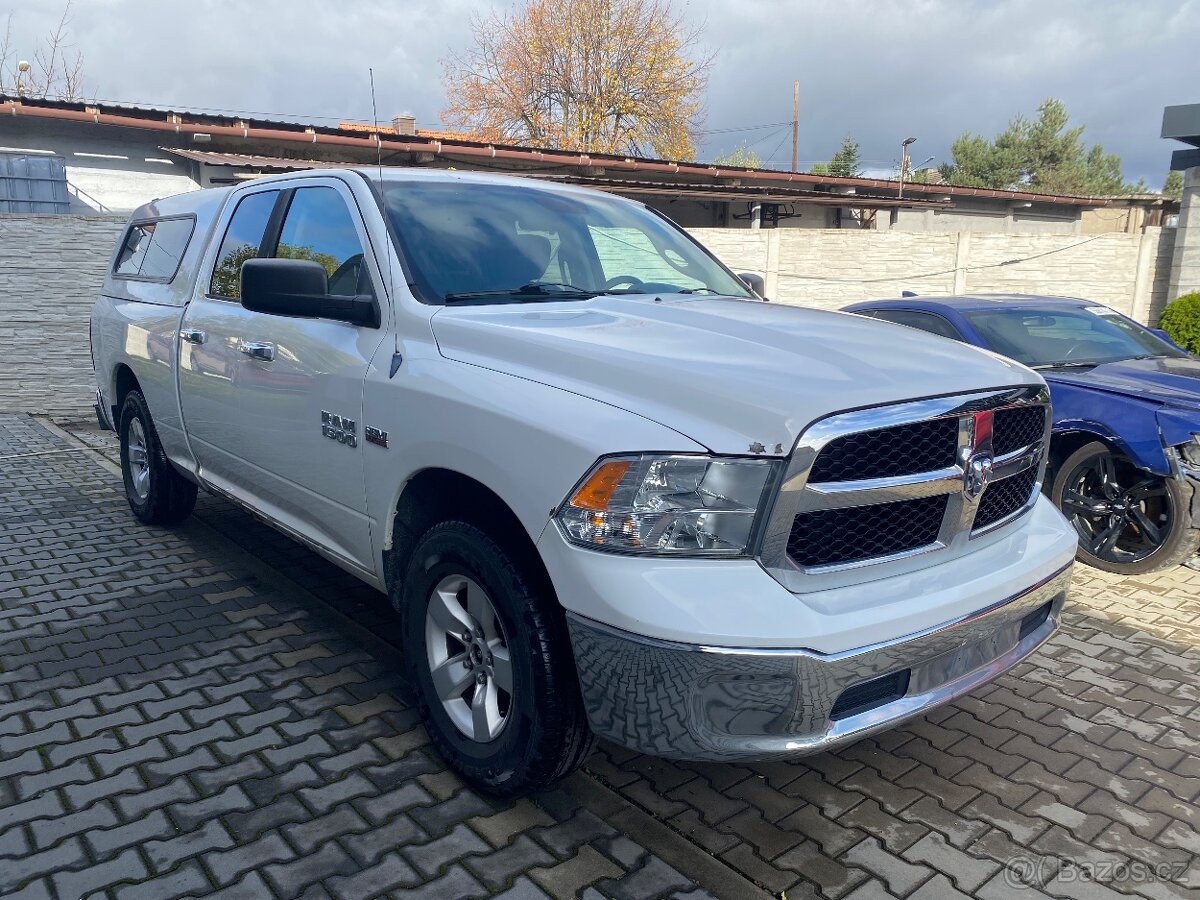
160, 495
545, 735
1129, 521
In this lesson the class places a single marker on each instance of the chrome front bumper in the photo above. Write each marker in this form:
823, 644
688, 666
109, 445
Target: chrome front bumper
715, 703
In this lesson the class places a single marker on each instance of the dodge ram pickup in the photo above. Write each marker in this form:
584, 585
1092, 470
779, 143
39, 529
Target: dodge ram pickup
609, 490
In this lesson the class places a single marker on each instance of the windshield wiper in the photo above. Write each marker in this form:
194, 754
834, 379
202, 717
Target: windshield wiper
1066, 365
534, 292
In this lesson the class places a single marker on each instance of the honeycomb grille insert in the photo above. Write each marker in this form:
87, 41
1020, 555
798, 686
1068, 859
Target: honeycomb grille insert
1003, 498
1016, 428
837, 536
886, 452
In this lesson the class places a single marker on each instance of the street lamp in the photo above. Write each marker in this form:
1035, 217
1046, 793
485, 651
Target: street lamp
904, 145
22, 68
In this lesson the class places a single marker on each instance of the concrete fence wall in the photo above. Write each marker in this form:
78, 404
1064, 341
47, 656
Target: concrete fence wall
829, 269
51, 268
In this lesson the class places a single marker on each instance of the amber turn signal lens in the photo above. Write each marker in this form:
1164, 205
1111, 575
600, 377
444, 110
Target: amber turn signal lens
598, 490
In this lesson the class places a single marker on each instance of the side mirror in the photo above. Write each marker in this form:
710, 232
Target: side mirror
300, 288
754, 282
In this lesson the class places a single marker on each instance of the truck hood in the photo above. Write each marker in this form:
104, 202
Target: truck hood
729, 374
1175, 381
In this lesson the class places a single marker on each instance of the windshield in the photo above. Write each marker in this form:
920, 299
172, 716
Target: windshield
469, 241
1067, 336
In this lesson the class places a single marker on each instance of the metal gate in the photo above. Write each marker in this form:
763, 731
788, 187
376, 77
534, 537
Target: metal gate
33, 184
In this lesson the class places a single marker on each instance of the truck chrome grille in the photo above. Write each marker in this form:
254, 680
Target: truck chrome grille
881, 485
1017, 428
900, 450
1004, 498
828, 537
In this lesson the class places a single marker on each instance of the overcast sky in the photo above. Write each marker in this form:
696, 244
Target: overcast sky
881, 70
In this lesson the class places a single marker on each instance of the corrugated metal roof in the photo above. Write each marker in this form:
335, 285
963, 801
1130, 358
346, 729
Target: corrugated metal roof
229, 128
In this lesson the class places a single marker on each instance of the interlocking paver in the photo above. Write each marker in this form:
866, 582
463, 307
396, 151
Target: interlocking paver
177, 717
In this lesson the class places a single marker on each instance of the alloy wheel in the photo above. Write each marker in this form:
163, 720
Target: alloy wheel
1122, 514
139, 459
468, 656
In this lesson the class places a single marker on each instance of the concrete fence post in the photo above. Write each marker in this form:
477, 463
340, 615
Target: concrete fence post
1185, 267
1147, 251
772, 275
962, 259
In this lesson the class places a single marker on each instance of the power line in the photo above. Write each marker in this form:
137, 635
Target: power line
743, 128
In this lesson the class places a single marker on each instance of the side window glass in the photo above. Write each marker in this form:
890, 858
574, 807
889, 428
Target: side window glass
242, 240
137, 242
934, 324
318, 226
155, 249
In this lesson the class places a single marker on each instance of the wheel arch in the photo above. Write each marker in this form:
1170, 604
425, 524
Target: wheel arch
1066, 441
123, 381
437, 494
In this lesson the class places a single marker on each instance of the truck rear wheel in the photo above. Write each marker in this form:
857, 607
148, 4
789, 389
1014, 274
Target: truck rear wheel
491, 664
158, 495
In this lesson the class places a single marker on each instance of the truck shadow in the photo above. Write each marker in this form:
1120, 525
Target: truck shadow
1082, 755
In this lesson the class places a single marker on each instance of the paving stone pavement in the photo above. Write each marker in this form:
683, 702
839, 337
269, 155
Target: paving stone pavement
214, 710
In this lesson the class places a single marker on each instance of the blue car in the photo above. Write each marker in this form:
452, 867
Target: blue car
1124, 460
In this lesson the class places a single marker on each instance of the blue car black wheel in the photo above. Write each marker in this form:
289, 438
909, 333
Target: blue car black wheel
1129, 521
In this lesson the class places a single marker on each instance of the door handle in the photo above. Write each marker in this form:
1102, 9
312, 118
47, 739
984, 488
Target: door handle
193, 335
258, 350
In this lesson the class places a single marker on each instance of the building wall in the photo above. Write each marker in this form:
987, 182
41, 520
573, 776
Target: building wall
51, 268
990, 216
108, 170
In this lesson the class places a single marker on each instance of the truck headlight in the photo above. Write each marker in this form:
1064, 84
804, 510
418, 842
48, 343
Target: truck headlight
668, 505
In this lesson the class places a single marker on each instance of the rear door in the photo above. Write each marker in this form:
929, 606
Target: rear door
272, 404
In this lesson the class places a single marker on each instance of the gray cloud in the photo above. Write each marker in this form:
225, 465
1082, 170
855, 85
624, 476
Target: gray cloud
880, 70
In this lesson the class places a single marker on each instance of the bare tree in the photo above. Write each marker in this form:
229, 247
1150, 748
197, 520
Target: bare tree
56, 69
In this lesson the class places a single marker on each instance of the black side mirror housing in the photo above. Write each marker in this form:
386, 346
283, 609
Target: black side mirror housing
754, 282
300, 288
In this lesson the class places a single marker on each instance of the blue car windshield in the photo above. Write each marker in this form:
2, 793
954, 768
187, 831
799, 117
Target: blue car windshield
473, 242
1047, 337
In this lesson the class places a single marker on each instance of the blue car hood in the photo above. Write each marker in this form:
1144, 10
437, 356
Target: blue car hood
1172, 381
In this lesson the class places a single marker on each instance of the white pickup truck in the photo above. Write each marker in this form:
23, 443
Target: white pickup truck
609, 490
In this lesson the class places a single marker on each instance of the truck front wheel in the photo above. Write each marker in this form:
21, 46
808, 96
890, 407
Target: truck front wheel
158, 495
489, 659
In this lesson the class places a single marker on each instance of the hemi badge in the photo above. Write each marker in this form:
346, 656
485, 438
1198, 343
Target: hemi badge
375, 436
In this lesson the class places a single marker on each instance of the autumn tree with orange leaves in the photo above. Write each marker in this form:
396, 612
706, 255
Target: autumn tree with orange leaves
596, 76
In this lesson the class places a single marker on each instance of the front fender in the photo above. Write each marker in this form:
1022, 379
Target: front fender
527, 442
1128, 423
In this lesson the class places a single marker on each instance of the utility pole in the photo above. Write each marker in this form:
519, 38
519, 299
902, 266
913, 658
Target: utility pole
795, 122
904, 145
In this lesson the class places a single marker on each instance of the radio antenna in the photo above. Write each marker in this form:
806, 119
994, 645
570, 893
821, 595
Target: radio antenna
387, 249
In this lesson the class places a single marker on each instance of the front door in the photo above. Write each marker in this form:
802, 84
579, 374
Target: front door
272, 404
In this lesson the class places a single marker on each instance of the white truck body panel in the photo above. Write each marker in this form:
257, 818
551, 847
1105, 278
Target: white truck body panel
691, 361
524, 399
